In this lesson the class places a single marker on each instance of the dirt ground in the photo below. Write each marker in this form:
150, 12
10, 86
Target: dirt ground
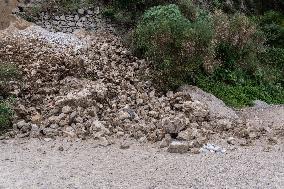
36, 163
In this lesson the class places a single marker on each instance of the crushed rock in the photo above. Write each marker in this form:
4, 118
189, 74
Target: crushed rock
98, 89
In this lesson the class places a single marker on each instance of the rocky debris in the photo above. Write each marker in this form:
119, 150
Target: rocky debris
166, 141
100, 90
178, 147
216, 107
59, 41
264, 119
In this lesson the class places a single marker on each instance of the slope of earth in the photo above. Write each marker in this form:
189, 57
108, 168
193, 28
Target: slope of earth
84, 164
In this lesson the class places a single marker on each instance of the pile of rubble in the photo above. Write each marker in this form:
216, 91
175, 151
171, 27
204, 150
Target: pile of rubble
101, 91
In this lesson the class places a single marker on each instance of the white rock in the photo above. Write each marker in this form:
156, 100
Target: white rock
81, 11
178, 147
66, 109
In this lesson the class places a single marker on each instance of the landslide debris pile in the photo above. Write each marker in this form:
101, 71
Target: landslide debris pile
96, 88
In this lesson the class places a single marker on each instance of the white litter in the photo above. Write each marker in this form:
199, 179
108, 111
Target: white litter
212, 148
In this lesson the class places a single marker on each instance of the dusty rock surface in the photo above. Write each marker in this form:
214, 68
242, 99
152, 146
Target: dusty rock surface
88, 85
84, 164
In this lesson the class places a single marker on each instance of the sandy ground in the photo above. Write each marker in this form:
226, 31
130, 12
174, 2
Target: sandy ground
83, 164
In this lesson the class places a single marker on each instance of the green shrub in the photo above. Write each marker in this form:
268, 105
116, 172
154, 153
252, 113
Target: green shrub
207, 42
272, 23
273, 66
159, 35
242, 94
5, 116
8, 72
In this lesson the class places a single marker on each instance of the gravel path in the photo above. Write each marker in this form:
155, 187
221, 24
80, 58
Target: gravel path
83, 164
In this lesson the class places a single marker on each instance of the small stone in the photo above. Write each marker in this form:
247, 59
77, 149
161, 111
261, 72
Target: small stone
54, 126
69, 131
103, 141
21, 124
122, 115
49, 132
76, 18
272, 140
72, 117
60, 148
35, 131
195, 150
120, 134
79, 24
63, 123
62, 17
142, 139
231, 140
166, 141
178, 147
47, 139
245, 142
124, 145
36, 118
66, 109
90, 12
267, 149
26, 127
81, 11
185, 135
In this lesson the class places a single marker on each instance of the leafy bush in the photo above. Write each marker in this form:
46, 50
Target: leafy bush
181, 47
5, 116
242, 94
8, 72
272, 23
159, 36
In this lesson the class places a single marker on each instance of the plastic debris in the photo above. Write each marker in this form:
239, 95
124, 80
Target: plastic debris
212, 148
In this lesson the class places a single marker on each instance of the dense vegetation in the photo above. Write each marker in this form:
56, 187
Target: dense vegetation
8, 72
234, 51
